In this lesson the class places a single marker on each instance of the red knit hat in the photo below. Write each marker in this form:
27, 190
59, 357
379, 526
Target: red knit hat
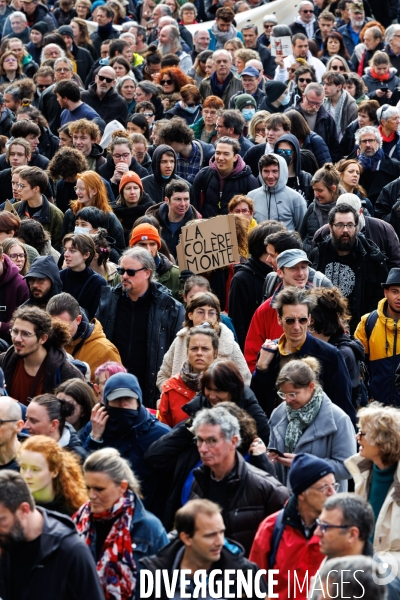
144, 232
130, 177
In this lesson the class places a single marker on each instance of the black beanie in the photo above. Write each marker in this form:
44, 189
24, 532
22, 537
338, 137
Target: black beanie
306, 470
274, 89
41, 26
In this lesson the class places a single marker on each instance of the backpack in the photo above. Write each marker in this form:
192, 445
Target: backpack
277, 533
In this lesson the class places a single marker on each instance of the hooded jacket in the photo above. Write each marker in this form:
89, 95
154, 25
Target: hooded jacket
280, 202
13, 292
48, 215
131, 432
127, 215
108, 106
154, 185
173, 360
212, 193
165, 320
246, 294
171, 238
178, 111
108, 167
383, 352
45, 266
302, 183
371, 270
90, 345
374, 84
168, 275
63, 568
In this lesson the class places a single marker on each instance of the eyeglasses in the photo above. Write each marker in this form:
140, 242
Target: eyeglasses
292, 70
129, 272
119, 156
206, 313
149, 114
316, 104
367, 141
166, 81
288, 395
293, 320
79, 189
282, 152
209, 113
337, 68
8, 421
325, 526
42, 86
17, 256
107, 79
63, 70
140, 154
209, 442
326, 487
25, 335
349, 226
20, 186
267, 26
304, 80
307, 11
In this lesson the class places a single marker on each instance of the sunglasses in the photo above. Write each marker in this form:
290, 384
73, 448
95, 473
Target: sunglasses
292, 70
307, 11
338, 68
281, 151
149, 114
107, 79
130, 272
166, 82
304, 80
191, 105
292, 320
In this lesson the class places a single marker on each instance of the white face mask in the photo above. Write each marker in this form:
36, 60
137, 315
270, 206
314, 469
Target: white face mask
78, 229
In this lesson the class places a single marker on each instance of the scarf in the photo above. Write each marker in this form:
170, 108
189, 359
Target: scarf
338, 110
375, 75
371, 163
322, 211
223, 36
300, 419
192, 380
384, 137
116, 567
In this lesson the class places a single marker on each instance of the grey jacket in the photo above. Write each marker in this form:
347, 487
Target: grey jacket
349, 112
330, 436
280, 202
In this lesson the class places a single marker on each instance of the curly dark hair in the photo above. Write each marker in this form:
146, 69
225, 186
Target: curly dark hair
305, 69
56, 330
33, 233
330, 314
103, 249
67, 162
177, 130
177, 76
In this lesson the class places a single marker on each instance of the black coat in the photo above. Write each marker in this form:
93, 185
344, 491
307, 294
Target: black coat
114, 229
246, 294
88, 296
160, 212
252, 495
111, 106
326, 128
62, 569
7, 120
374, 182
107, 171
48, 143
154, 185
83, 60
371, 272
127, 215
50, 109
387, 206
348, 140
97, 40
37, 160
165, 320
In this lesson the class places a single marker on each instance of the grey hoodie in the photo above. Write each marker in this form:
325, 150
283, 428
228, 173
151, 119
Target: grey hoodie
279, 202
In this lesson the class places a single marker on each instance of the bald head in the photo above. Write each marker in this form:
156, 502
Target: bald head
9, 409
105, 80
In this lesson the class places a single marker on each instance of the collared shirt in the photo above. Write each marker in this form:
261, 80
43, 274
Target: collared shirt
187, 168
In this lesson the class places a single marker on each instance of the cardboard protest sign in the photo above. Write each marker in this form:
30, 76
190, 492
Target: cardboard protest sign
281, 46
8, 206
208, 245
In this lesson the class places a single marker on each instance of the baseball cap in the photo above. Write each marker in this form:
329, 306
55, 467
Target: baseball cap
290, 258
357, 7
121, 385
252, 71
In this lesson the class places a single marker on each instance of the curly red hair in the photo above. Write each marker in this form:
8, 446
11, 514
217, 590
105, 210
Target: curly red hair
178, 76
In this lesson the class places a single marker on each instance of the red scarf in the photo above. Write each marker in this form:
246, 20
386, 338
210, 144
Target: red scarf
375, 75
384, 138
116, 567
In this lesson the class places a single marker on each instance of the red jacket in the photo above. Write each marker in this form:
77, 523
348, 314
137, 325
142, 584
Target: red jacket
175, 393
295, 555
264, 325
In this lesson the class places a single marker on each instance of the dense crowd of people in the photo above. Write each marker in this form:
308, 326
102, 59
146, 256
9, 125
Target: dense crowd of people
156, 419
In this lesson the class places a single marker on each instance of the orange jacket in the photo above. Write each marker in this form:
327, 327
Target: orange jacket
175, 393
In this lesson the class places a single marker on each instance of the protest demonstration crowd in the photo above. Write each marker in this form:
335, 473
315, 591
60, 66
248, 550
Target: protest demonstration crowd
199, 299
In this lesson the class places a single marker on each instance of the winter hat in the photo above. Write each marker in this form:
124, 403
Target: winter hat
96, 4
274, 89
41, 26
144, 232
130, 177
66, 30
306, 470
243, 100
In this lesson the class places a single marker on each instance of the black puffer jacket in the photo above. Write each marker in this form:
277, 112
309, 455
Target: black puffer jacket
154, 185
165, 320
127, 215
252, 495
387, 206
107, 171
246, 294
348, 140
308, 228
171, 238
353, 353
83, 60
109, 107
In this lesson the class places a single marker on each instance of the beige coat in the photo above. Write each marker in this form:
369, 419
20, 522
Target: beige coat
387, 528
177, 354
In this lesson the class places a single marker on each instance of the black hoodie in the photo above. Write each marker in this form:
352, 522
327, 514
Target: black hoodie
44, 266
154, 185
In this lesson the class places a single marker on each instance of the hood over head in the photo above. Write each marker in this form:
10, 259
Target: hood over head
45, 266
283, 175
289, 137
156, 160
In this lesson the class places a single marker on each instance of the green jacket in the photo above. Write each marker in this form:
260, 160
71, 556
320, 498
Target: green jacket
168, 275
48, 215
198, 128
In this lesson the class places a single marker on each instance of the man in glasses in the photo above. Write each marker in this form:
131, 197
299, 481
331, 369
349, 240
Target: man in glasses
291, 532
103, 98
48, 105
294, 306
69, 98
43, 79
352, 262
251, 77
141, 318
338, 102
305, 22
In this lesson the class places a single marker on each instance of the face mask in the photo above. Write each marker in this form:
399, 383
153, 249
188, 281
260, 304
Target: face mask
166, 176
191, 109
248, 113
81, 230
286, 99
